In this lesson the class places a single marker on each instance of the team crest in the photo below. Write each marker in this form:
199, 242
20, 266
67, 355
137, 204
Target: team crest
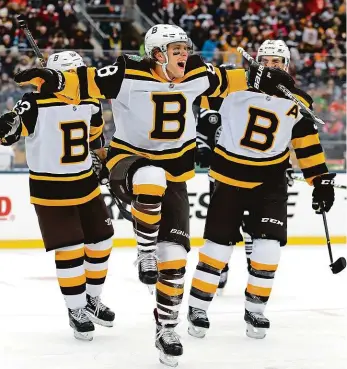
213, 119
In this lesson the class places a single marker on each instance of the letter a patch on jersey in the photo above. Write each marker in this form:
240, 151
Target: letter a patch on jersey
293, 111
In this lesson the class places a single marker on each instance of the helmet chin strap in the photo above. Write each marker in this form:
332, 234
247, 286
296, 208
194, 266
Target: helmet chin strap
164, 65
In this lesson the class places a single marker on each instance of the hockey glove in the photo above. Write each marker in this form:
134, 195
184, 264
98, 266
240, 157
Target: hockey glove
7, 122
99, 168
203, 157
49, 80
267, 79
323, 194
290, 177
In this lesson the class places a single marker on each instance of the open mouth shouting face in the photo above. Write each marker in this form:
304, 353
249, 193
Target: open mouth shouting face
177, 55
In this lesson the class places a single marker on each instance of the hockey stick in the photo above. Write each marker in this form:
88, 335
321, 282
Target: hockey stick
23, 26
340, 264
115, 201
283, 89
300, 179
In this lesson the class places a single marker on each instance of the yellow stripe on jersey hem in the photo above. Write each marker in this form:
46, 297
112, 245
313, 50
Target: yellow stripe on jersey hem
311, 161
151, 155
251, 162
68, 202
233, 182
181, 178
60, 179
303, 142
111, 163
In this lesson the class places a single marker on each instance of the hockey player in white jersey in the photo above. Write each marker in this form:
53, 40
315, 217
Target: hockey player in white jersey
151, 155
72, 215
248, 165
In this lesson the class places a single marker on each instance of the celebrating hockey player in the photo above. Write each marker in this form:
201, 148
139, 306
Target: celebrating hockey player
209, 126
151, 155
71, 212
248, 165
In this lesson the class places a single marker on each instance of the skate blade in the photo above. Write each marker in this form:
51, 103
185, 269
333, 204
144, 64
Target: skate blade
83, 336
151, 288
197, 332
168, 360
103, 323
257, 333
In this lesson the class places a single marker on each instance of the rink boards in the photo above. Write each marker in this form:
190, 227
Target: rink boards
19, 227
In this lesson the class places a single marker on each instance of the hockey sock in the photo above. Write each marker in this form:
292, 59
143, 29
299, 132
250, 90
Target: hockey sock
169, 289
96, 265
264, 262
71, 276
212, 259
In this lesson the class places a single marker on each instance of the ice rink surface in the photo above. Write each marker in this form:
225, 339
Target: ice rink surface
308, 314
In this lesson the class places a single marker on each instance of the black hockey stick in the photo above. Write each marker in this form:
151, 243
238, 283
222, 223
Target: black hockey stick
115, 201
285, 91
340, 264
22, 25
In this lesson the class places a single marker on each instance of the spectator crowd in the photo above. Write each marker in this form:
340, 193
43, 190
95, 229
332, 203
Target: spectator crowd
314, 30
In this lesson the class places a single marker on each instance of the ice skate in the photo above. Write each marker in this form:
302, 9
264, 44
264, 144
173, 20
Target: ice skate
257, 324
98, 312
81, 324
198, 322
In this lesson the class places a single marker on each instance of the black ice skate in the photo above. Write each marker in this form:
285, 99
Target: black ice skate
81, 324
148, 268
198, 322
223, 280
257, 324
167, 341
98, 312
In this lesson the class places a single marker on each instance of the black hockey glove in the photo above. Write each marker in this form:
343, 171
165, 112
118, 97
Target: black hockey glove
7, 122
323, 194
54, 81
290, 177
100, 169
203, 157
267, 79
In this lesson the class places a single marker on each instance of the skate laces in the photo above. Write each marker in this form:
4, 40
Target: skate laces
80, 315
198, 313
148, 261
168, 335
99, 306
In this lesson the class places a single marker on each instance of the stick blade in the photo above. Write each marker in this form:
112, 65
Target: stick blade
338, 266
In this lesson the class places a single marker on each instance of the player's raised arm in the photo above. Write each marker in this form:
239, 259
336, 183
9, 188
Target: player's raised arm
82, 83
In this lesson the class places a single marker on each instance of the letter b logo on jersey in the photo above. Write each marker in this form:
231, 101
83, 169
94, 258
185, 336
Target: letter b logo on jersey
260, 136
75, 142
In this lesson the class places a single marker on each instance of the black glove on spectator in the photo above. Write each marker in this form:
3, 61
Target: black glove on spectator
54, 81
267, 79
323, 194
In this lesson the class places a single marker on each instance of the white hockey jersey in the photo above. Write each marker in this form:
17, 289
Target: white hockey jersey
57, 148
257, 130
154, 117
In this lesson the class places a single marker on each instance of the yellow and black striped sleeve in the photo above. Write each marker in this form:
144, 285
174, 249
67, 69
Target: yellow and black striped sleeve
225, 81
308, 149
89, 82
